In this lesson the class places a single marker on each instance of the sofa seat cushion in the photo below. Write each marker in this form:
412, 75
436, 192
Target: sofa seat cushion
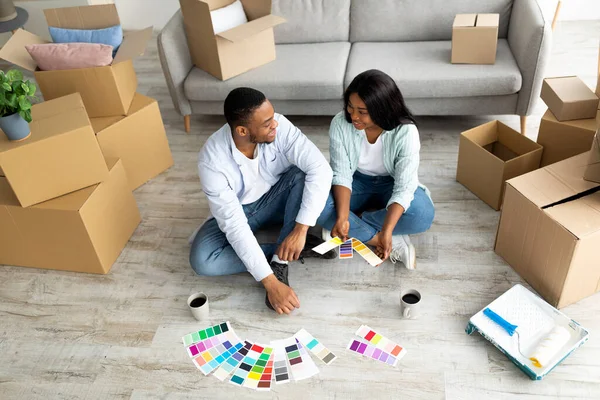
300, 72
423, 69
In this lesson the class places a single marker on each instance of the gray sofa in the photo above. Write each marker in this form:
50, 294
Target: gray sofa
326, 43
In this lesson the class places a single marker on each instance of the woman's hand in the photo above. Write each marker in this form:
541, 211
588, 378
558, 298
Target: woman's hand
340, 229
384, 245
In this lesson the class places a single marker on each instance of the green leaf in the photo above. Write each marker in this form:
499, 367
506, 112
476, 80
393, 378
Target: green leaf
26, 115
14, 75
6, 86
32, 88
25, 87
24, 103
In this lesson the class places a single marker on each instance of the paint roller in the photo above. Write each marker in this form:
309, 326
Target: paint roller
545, 350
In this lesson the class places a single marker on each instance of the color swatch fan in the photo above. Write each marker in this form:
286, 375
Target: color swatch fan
376, 346
347, 248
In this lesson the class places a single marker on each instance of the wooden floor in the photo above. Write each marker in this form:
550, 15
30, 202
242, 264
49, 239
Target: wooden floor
118, 336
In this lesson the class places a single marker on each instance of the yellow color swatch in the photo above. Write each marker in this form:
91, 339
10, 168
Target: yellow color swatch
254, 375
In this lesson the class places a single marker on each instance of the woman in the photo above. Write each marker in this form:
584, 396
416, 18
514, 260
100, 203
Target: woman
374, 148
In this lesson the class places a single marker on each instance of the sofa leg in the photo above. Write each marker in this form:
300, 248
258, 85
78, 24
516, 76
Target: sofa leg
187, 123
556, 14
523, 124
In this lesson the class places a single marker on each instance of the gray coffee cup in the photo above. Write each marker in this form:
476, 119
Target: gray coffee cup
198, 304
410, 304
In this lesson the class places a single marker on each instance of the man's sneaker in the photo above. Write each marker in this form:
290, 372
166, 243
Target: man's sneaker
326, 234
311, 242
403, 251
281, 273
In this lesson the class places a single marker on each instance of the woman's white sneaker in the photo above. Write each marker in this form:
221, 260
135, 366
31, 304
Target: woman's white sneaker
403, 251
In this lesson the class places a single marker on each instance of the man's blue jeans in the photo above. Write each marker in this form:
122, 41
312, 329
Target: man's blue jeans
212, 254
373, 193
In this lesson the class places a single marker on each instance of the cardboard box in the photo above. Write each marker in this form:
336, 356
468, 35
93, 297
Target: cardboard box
83, 231
562, 140
592, 171
598, 81
490, 154
61, 156
569, 98
474, 38
106, 91
236, 50
139, 140
549, 231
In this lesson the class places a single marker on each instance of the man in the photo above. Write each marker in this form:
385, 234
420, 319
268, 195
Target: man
259, 170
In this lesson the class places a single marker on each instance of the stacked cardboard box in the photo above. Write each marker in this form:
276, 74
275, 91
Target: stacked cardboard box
569, 125
61, 205
549, 231
474, 38
592, 172
109, 93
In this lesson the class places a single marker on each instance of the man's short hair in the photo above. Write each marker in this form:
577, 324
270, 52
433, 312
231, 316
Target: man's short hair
240, 104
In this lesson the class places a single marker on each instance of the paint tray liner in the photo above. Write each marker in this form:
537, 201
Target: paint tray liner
535, 319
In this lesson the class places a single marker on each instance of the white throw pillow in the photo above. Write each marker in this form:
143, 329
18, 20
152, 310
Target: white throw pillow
228, 17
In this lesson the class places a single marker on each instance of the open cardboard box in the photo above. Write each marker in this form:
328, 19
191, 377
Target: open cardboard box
82, 231
592, 171
474, 38
549, 231
106, 91
139, 140
490, 154
237, 50
61, 156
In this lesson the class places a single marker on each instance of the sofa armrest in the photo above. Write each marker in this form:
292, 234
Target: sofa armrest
175, 60
529, 38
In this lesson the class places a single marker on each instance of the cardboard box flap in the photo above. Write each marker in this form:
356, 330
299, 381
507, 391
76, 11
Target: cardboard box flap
586, 123
14, 50
570, 89
555, 182
464, 20
520, 144
83, 17
581, 217
51, 108
488, 20
251, 28
134, 45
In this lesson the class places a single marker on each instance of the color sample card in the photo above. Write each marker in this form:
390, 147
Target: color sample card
366, 253
373, 352
281, 371
328, 245
244, 371
216, 350
203, 334
315, 346
254, 376
346, 249
232, 362
380, 341
267, 376
300, 367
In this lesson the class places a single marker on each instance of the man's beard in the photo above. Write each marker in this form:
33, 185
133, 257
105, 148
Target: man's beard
254, 140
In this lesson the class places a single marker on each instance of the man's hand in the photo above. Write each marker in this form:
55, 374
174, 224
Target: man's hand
384, 247
281, 296
290, 248
340, 229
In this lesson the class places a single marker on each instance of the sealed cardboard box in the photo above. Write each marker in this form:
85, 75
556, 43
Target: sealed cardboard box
236, 50
83, 231
592, 171
549, 231
562, 140
106, 91
61, 155
569, 98
474, 38
139, 140
489, 155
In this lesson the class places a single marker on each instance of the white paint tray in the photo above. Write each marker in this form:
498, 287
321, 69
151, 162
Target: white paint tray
535, 319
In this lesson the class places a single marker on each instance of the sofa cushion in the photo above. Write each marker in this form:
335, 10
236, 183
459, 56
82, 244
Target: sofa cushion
412, 20
423, 69
300, 72
312, 21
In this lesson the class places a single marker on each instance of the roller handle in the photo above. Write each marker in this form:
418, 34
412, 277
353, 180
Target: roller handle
508, 327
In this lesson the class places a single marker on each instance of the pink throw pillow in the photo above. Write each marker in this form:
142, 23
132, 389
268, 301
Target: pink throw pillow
59, 56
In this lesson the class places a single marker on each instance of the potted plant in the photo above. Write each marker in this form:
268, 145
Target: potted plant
15, 104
